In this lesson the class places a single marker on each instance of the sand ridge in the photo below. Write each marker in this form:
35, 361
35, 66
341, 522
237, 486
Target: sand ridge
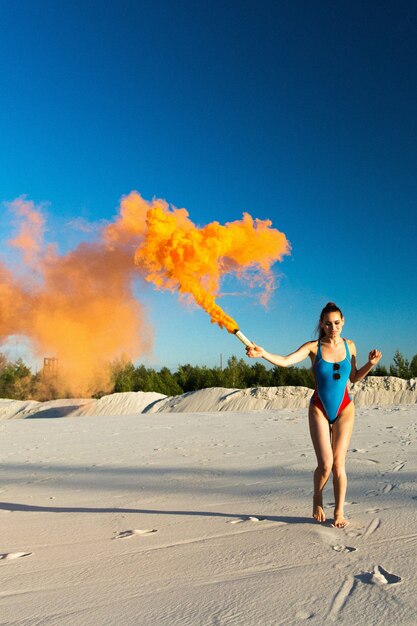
375, 390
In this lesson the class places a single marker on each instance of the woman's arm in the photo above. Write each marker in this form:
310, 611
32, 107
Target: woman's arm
256, 352
358, 374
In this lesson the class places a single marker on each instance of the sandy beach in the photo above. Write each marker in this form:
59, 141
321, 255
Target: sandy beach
201, 518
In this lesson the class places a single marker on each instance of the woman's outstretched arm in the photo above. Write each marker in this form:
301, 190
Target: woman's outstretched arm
358, 374
256, 352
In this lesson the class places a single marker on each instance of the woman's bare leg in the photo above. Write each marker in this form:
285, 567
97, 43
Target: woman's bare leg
320, 436
341, 434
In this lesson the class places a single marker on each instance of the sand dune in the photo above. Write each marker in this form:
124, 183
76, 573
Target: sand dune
385, 390
125, 403
11, 409
375, 390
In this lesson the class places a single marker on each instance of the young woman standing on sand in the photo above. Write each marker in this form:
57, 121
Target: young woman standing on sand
331, 413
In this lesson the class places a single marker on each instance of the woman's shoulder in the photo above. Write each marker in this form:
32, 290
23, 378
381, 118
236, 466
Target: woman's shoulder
312, 346
351, 345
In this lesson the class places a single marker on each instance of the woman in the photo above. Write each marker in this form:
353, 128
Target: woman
331, 412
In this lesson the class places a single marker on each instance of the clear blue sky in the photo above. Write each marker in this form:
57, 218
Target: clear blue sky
301, 112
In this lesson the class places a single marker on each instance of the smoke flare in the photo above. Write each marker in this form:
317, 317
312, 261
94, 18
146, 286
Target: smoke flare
177, 255
80, 306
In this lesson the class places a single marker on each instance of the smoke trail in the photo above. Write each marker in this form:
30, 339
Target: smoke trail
177, 255
80, 306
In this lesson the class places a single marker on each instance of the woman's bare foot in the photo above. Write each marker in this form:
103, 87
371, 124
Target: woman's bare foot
339, 520
318, 512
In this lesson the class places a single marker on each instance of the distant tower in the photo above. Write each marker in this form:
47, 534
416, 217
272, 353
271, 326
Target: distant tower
50, 366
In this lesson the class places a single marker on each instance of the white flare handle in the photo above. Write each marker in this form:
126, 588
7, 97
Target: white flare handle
243, 339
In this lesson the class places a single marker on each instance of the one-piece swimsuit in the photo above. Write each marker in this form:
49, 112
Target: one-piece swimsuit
331, 394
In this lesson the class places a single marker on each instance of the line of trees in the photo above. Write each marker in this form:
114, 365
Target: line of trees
238, 374
17, 380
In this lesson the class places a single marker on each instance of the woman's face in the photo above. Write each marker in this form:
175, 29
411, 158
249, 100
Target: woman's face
332, 324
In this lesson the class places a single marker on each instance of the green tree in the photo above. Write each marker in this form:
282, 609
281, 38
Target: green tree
277, 376
186, 377
401, 367
15, 380
237, 373
124, 377
306, 377
144, 379
413, 367
3, 362
380, 370
167, 384
258, 376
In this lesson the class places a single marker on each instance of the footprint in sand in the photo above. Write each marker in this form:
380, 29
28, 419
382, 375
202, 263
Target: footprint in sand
340, 548
340, 599
372, 527
130, 533
251, 518
305, 615
379, 576
399, 467
14, 555
387, 488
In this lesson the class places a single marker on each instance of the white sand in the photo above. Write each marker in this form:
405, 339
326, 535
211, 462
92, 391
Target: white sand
385, 391
202, 519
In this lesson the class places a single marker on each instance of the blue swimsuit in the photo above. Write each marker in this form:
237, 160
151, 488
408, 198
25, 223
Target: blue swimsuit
331, 394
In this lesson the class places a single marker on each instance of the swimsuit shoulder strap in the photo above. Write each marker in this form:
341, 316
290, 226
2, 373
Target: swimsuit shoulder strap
347, 349
318, 356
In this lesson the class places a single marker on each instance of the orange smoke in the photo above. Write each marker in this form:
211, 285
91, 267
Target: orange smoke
30, 237
177, 255
80, 307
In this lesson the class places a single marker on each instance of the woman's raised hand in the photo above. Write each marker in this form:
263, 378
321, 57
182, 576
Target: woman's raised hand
374, 357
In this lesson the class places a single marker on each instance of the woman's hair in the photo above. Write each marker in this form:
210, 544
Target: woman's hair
330, 307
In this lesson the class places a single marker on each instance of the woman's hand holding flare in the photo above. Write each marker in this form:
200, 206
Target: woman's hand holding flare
255, 352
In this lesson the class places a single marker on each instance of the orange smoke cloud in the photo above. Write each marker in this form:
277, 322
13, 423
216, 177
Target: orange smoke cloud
30, 237
81, 308
177, 255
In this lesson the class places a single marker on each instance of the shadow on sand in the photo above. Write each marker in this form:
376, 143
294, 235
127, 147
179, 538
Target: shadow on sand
30, 508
